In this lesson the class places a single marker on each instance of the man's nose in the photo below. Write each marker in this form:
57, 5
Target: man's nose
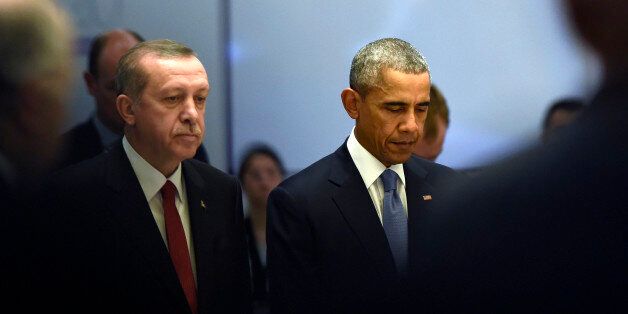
409, 122
189, 111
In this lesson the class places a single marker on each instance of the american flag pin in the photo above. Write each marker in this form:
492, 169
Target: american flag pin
203, 204
427, 197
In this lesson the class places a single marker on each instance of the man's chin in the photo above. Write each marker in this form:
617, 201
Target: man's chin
186, 152
401, 158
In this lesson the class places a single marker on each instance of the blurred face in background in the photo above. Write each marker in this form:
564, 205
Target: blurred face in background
102, 85
430, 148
261, 177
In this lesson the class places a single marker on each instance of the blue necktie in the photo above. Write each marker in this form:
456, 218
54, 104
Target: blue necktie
395, 221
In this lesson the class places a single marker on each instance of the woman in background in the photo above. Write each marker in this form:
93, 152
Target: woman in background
261, 171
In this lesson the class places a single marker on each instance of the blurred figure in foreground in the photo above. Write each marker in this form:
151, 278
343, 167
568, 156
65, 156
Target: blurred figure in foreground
261, 171
430, 145
546, 230
35, 58
35, 51
560, 114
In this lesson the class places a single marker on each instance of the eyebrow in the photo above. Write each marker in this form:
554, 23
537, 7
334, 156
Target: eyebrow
395, 103
403, 104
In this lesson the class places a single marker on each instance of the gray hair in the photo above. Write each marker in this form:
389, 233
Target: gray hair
34, 43
386, 53
131, 79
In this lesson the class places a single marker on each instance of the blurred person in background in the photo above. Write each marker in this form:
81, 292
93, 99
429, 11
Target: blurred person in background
261, 170
560, 114
430, 145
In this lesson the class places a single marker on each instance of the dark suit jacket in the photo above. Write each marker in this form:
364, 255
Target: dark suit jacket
111, 256
258, 271
327, 250
24, 268
545, 231
83, 142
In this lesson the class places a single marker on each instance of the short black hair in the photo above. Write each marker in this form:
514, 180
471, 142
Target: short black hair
259, 149
98, 44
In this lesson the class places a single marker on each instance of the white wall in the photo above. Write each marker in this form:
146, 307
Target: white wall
197, 23
499, 64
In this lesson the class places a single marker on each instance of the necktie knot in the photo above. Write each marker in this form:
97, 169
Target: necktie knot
389, 179
168, 190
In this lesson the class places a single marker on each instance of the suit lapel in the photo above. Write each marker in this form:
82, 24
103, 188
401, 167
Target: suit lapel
420, 195
205, 221
357, 208
132, 213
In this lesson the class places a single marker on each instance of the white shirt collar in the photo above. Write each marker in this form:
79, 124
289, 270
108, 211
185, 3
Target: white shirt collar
369, 167
151, 180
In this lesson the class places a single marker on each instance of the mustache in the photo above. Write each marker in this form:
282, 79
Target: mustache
192, 129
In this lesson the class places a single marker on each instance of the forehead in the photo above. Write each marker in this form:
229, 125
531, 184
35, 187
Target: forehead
162, 70
116, 45
394, 83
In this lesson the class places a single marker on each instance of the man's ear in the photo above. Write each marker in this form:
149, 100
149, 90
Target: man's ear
350, 99
126, 109
90, 82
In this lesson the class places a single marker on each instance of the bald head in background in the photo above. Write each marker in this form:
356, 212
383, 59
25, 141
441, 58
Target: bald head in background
104, 127
105, 52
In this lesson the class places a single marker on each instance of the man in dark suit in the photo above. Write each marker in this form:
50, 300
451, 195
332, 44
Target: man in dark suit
142, 229
545, 231
105, 127
35, 68
339, 238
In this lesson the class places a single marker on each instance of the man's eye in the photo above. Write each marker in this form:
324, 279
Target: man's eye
172, 98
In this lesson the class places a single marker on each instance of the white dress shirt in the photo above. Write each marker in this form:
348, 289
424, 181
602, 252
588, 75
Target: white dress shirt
370, 169
151, 181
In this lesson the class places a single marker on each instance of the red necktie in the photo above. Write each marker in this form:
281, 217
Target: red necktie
177, 244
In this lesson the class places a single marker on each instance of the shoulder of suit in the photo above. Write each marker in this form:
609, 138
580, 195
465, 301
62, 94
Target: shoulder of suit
430, 168
312, 176
206, 170
79, 129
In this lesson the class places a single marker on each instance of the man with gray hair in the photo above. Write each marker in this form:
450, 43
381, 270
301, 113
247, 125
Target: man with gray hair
145, 228
340, 232
105, 126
